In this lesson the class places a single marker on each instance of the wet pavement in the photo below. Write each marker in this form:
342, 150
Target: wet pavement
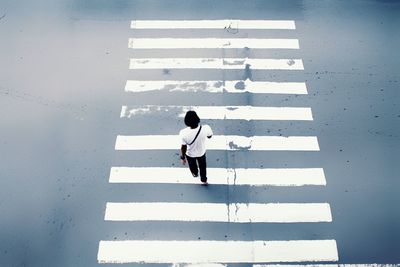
64, 65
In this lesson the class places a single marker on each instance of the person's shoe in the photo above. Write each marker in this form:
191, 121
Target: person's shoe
203, 180
195, 174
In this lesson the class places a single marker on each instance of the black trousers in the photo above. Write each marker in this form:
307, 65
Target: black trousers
202, 165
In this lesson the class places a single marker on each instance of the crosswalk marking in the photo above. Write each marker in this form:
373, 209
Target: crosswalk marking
199, 265
221, 176
220, 142
213, 253
207, 251
217, 86
209, 43
225, 112
288, 265
216, 63
214, 24
219, 212
315, 265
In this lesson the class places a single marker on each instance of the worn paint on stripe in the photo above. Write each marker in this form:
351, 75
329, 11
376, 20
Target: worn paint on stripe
210, 43
214, 24
220, 142
216, 63
224, 112
221, 176
219, 212
155, 251
218, 87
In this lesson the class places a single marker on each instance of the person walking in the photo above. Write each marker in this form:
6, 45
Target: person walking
193, 149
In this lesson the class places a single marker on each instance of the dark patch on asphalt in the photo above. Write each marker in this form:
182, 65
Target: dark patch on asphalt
219, 84
247, 73
291, 62
232, 145
240, 85
232, 30
234, 62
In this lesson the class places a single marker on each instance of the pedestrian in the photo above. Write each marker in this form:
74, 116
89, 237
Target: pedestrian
193, 149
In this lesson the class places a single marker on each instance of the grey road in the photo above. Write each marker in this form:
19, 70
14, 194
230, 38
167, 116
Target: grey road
64, 68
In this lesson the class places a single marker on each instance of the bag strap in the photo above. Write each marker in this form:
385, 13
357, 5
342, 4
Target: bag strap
195, 137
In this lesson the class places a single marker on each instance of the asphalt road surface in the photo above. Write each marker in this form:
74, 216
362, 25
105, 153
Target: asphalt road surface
303, 98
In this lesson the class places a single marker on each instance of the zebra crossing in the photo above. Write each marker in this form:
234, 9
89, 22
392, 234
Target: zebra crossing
217, 252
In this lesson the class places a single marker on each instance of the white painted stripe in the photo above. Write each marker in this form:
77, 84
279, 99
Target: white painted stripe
214, 24
218, 87
290, 265
220, 176
220, 142
216, 63
199, 265
226, 112
209, 43
220, 212
152, 251
327, 265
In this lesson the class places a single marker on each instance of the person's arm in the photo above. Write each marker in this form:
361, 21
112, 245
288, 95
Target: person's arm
183, 154
209, 132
